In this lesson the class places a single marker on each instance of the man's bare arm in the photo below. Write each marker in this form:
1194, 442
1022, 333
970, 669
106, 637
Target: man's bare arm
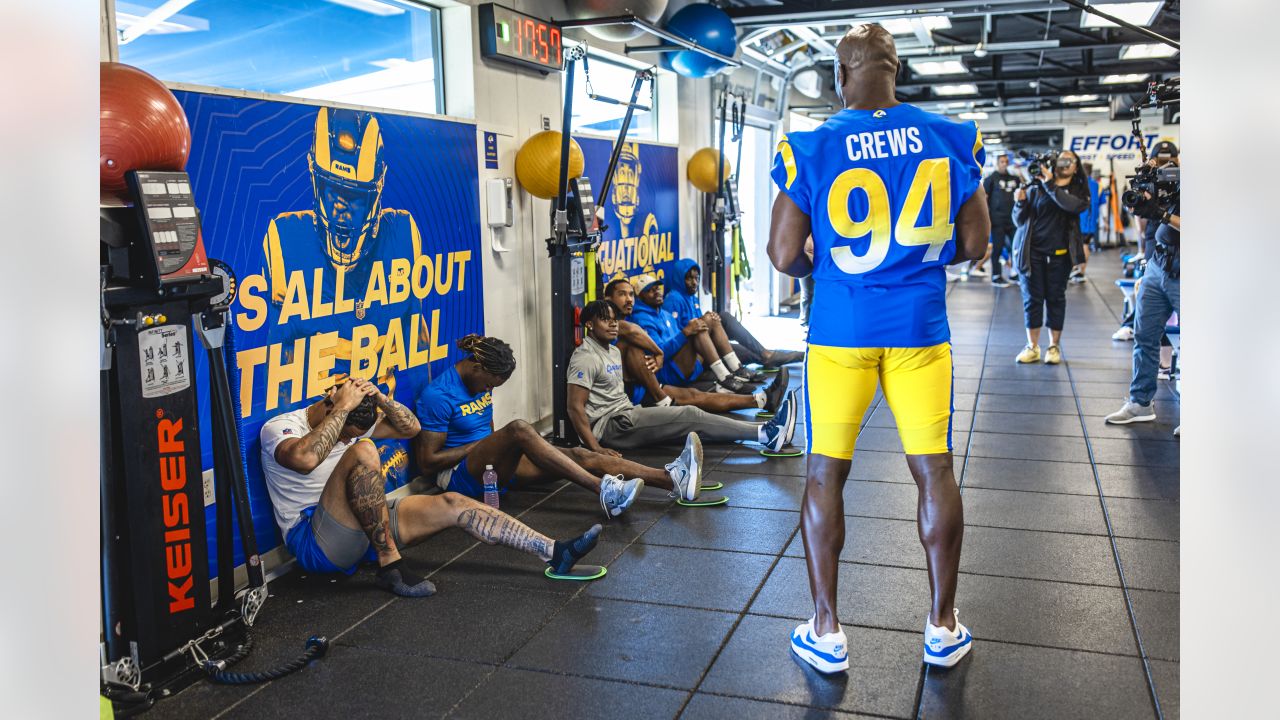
636, 335
398, 421
973, 228
789, 227
578, 416
428, 450
305, 454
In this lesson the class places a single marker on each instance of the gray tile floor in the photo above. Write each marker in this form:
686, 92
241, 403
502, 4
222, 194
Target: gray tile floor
1069, 578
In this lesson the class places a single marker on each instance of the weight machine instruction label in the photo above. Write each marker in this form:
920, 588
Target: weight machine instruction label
163, 360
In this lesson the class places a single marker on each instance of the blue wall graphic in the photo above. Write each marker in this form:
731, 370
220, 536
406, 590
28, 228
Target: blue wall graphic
402, 223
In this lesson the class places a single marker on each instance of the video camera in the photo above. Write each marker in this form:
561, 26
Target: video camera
1047, 159
1161, 183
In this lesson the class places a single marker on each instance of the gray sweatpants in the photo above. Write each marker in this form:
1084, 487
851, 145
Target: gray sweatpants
640, 427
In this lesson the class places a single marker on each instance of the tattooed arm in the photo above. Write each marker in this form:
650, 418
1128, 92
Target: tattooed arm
498, 528
305, 454
398, 421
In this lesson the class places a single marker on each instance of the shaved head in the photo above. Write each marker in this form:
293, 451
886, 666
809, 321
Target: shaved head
868, 49
867, 67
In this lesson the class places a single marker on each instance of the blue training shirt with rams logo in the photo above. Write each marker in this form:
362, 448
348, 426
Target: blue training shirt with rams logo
882, 189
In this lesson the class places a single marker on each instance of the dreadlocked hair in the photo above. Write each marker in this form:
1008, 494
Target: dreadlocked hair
599, 309
493, 355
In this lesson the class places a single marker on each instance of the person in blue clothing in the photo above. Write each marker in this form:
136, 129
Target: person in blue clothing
1089, 223
682, 299
891, 195
687, 346
457, 440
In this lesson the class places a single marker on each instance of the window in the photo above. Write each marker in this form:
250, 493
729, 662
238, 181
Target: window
380, 53
612, 79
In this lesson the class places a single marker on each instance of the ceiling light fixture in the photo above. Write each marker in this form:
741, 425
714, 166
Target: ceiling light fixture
1118, 79
962, 89
1147, 51
1079, 98
979, 115
1138, 13
937, 66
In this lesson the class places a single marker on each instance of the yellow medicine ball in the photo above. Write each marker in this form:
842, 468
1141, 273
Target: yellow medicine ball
538, 163
702, 169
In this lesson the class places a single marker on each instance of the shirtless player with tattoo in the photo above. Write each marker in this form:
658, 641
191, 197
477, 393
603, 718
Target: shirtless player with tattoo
325, 479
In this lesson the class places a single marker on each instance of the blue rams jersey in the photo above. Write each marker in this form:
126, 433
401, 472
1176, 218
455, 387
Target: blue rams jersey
295, 242
446, 406
882, 189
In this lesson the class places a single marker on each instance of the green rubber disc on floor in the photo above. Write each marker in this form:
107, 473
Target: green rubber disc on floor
712, 486
579, 573
788, 451
770, 371
762, 415
704, 501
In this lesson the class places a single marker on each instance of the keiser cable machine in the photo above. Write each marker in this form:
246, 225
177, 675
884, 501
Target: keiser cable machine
160, 631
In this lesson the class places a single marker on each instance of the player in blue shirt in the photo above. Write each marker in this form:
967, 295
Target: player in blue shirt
885, 189
458, 440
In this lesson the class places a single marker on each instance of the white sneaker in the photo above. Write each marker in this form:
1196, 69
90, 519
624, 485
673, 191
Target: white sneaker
977, 271
828, 654
943, 647
686, 470
1124, 333
617, 494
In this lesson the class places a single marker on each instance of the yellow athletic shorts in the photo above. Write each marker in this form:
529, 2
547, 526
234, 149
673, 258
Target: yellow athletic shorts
840, 383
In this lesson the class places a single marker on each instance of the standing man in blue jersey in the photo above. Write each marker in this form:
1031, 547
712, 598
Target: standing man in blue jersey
891, 195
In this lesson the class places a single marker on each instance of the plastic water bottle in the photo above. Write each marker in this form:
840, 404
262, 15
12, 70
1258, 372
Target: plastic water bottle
490, 479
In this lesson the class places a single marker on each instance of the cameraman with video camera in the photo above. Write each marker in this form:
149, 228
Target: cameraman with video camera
1155, 197
1047, 244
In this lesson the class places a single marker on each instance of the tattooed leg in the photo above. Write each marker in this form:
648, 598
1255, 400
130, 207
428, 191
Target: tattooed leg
354, 497
498, 528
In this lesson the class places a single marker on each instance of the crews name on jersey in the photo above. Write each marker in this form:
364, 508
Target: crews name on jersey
883, 144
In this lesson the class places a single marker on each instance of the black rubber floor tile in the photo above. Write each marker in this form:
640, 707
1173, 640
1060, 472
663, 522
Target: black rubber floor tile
354, 682
507, 568
757, 663
879, 440
1149, 564
882, 466
1165, 676
868, 595
574, 510
1149, 483
634, 642
719, 707
1039, 555
1093, 389
880, 499
511, 693
1047, 387
1028, 424
516, 501
1029, 447
778, 492
747, 459
1039, 612
446, 625
997, 473
1084, 374
1033, 511
1160, 429
1002, 368
1025, 404
725, 528
1157, 616
874, 541
1150, 519
302, 604
1140, 453
1033, 476
707, 579
999, 680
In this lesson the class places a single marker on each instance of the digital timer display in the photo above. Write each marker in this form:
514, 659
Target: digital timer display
514, 37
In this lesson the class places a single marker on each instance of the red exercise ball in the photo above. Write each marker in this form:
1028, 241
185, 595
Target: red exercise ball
142, 127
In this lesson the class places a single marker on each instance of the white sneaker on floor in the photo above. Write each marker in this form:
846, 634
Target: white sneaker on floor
1124, 333
1132, 412
686, 470
617, 494
827, 654
943, 647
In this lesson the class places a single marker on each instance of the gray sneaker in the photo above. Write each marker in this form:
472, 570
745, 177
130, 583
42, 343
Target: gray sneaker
686, 470
1132, 412
617, 494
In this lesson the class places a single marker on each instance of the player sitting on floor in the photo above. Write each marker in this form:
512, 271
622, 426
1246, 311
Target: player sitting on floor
683, 300
603, 415
686, 347
324, 476
642, 359
458, 440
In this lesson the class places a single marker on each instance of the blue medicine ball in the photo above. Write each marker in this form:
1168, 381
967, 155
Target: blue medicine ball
710, 27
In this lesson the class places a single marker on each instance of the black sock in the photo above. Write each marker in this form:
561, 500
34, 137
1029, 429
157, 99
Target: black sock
568, 552
398, 579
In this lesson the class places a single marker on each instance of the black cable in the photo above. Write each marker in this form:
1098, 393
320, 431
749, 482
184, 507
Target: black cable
315, 649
